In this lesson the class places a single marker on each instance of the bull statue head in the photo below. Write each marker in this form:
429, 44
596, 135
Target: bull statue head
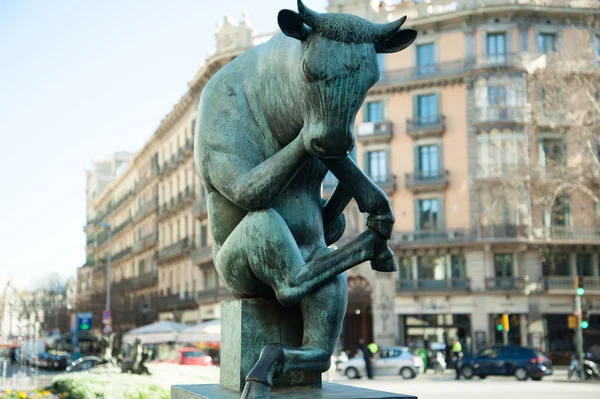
338, 65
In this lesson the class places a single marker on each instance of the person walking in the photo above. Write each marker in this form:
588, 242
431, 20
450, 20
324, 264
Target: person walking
457, 355
368, 356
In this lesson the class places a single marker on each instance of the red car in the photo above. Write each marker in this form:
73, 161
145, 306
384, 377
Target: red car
194, 356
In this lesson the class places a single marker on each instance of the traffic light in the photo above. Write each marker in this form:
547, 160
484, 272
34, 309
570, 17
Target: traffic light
499, 325
572, 322
585, 319
505, 323
580, 289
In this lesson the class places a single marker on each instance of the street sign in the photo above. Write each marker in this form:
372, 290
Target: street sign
107, 329
106, 316
84, 321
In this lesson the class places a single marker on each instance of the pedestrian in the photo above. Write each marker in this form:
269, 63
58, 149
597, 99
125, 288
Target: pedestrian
368, 356
457, 355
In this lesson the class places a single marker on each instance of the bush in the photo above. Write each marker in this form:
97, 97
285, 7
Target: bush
107, 385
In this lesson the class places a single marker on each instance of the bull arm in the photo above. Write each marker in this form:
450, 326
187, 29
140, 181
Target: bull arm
254, 185
368, 195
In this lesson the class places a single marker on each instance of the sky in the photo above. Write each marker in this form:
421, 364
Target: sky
83, 79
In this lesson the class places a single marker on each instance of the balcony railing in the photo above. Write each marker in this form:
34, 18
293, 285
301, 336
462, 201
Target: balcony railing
179, 248
121, 254
430, 236
426, 180
212, 295
145, 242
423, 72
145, 280
202, 255
490, 115
502, 231
426, 126
122, 226
386, 182
566, 284
428, 285
147, 208
374, 131
176, 302
507, 283
583, 233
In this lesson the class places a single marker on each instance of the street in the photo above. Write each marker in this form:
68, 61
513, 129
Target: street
436, 386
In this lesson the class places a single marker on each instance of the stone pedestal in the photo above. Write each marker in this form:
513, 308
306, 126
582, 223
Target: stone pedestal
247, 326
329, 391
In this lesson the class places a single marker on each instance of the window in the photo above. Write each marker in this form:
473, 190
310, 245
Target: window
431, 267
377, 166
178, 231
597, 49
428, 161
524, 40
193, 127
210, 279
584, 264
552, 152
185, 226
428, 214
374, 111
497, 96
561, 211
141, 268
503, 265
500, 152
546, 42
405, 268
427, 109
496, 48
203, 238
425, 59
458, 267
556, 265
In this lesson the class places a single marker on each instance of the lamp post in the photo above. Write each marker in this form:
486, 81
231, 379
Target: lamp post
108, 259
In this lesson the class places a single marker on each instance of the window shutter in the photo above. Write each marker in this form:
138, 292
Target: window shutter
365, 112
366, 163
438, 104
415, 112
388, 164
417, 215
416, 167
441, 160
441, 214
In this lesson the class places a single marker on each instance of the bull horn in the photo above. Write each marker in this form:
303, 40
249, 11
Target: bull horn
381, 31
309, 17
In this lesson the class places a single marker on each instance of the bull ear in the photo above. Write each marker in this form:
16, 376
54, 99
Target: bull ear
291, 25
396, 42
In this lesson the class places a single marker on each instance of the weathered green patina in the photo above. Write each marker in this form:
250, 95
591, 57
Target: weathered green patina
270, 125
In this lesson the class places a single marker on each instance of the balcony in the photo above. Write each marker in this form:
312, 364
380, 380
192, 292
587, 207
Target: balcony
506, 60
417, 74
487, 116
426, 126
199, 210
571, 233
145, 280
426, 181
174, 250
122, 226
121, 254
427, 286
503, 284
202, 255
212, 295
502, 232
371, 132
430, 236
176, 302
566, 284
386, 183
145, 243
146, 209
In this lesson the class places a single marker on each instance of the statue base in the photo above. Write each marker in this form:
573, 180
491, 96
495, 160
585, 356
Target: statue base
247, 326
329, 391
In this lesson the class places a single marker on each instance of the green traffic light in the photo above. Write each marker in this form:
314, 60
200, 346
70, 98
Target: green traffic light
584, 324
85, 326
499, 327
580, 291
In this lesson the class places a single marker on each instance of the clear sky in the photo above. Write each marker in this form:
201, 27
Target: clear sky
80, 79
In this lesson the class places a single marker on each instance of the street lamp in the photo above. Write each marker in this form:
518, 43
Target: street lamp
108, 259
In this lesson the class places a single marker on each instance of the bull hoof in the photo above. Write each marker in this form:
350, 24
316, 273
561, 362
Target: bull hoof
384, 265
256, 390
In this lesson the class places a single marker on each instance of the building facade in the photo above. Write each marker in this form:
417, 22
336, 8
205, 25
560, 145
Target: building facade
495, 202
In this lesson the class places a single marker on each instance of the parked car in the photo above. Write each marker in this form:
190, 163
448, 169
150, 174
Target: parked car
517, 361
189, 356
391, 360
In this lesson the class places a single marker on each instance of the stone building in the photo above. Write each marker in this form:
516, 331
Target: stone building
457, 132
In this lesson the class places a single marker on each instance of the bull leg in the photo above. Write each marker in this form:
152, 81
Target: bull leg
265, 244
323, 313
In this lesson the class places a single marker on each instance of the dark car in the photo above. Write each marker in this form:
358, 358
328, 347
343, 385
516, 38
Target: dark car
518, 361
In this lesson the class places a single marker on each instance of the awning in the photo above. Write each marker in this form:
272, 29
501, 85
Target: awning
209, 331
155, 333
